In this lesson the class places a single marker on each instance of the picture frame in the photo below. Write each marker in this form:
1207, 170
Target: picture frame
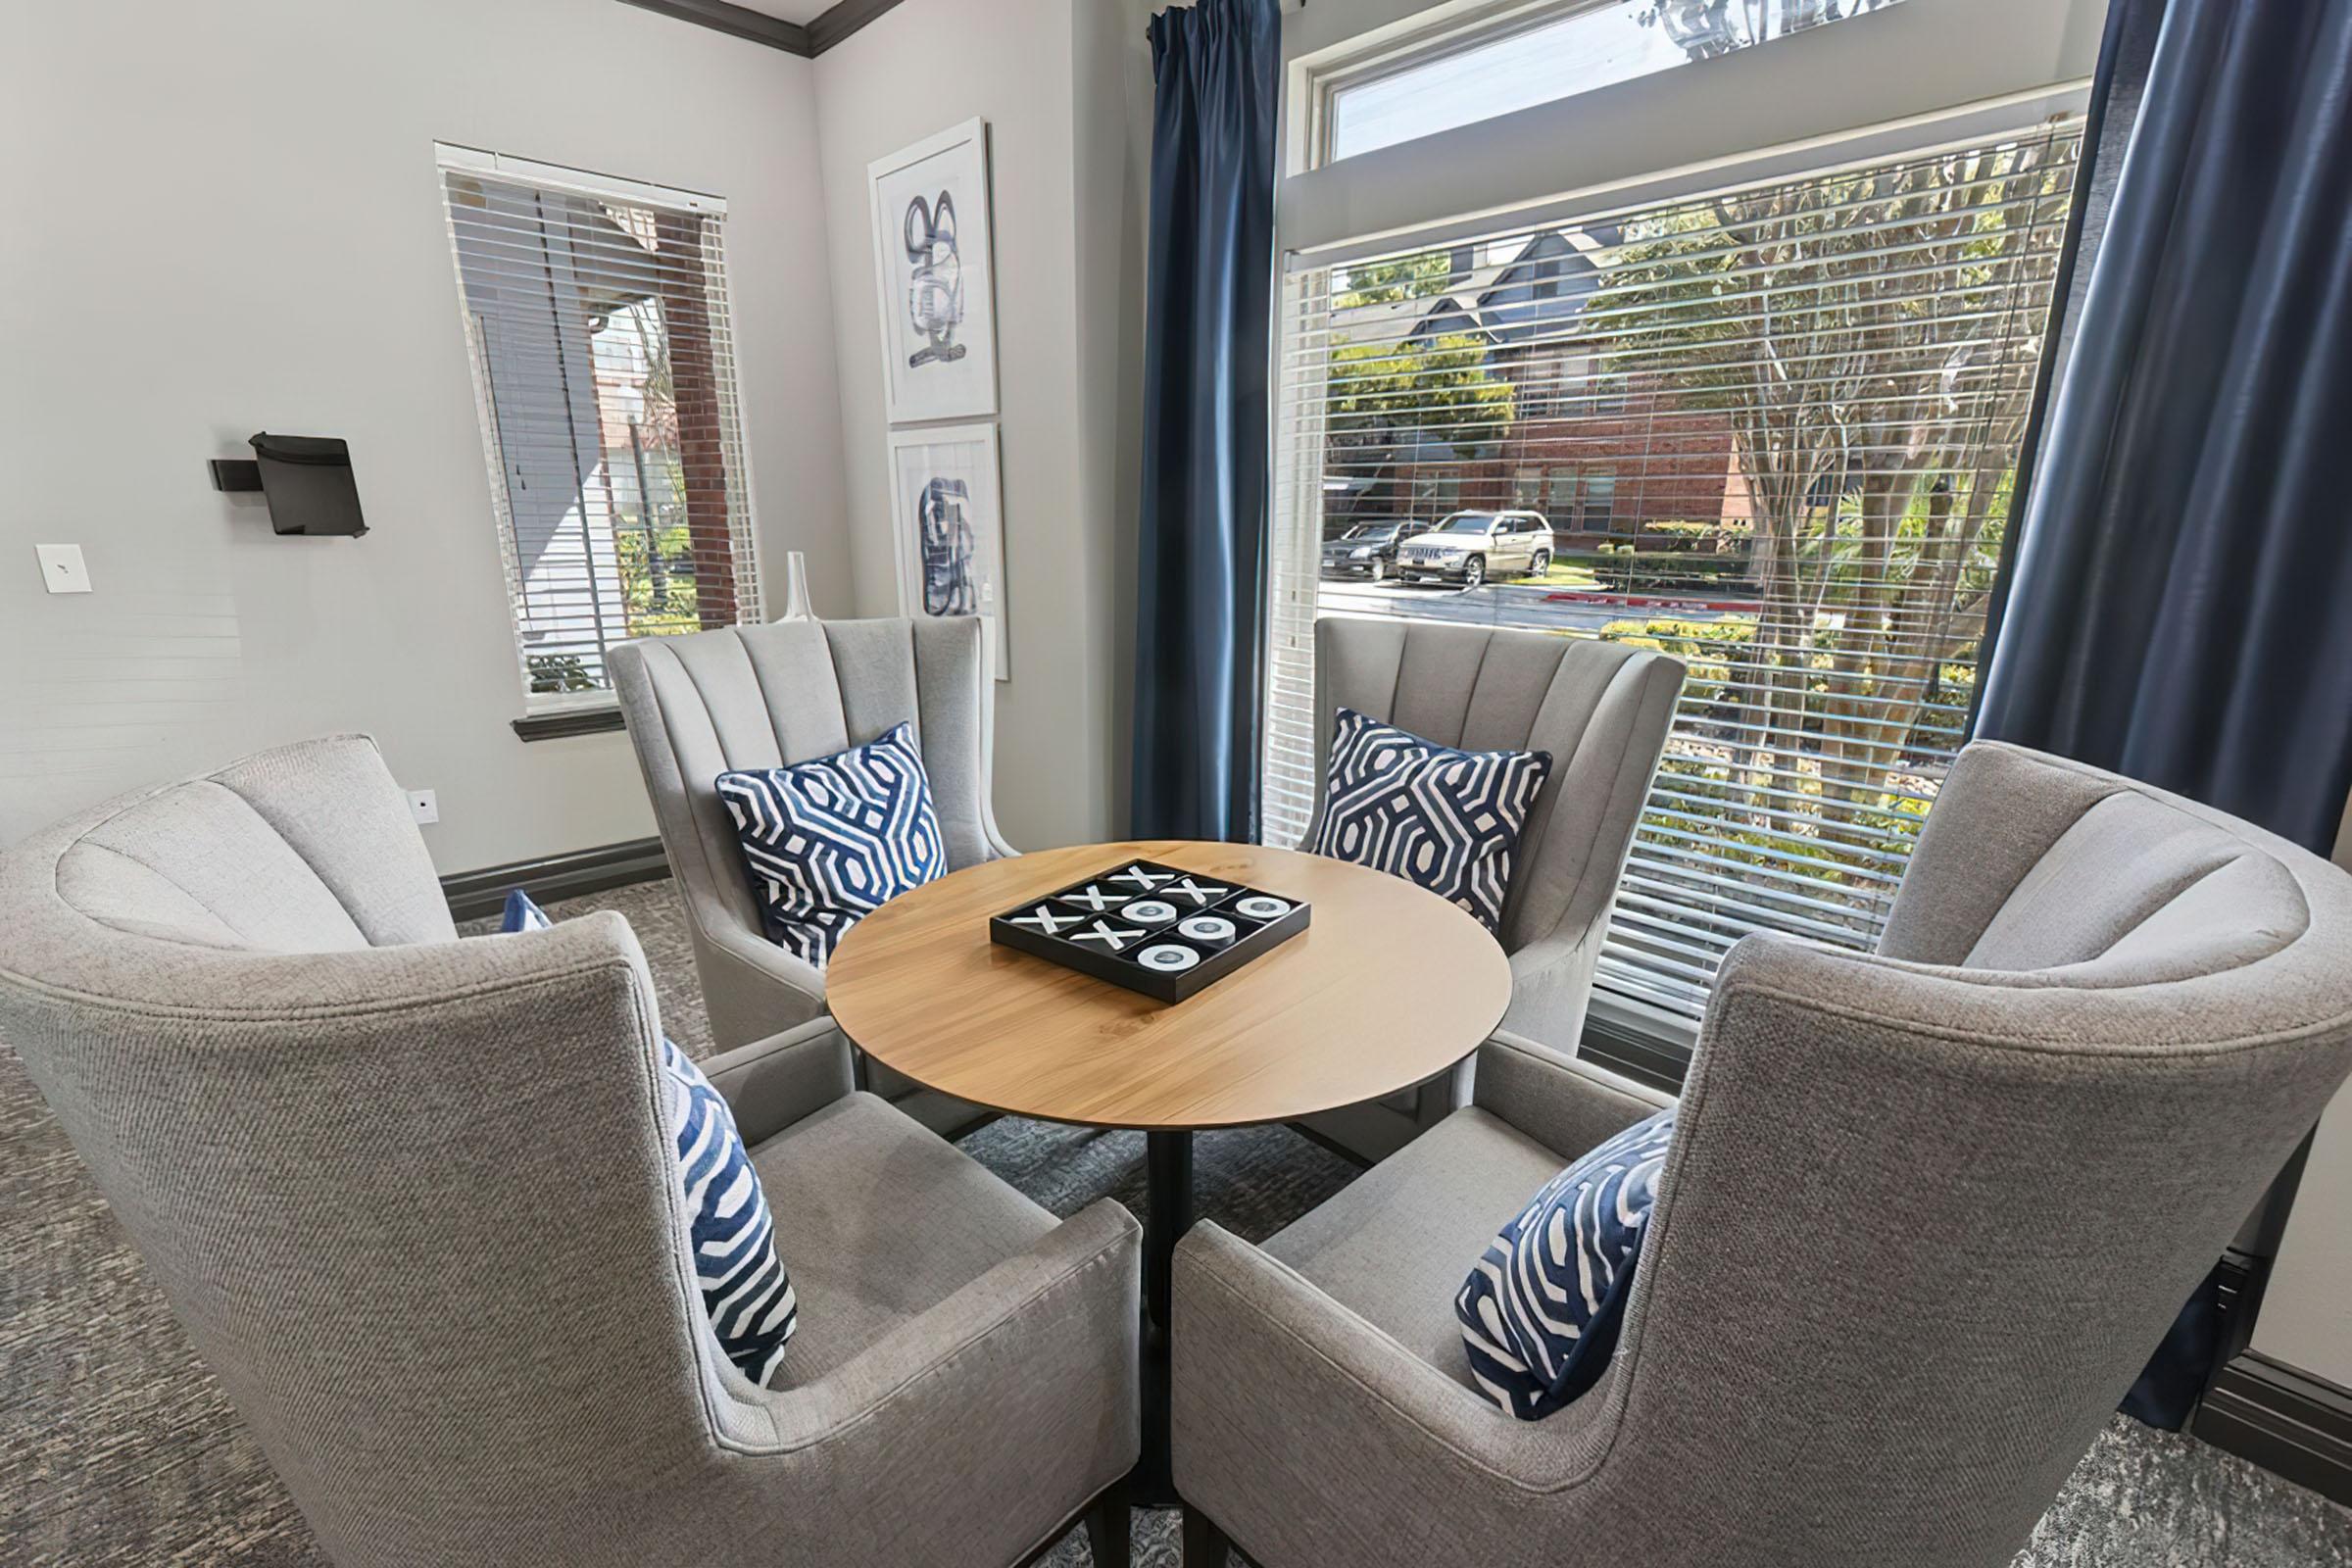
947, 512
934, 276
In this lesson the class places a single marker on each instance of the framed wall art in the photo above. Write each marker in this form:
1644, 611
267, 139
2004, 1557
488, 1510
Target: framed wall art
948, 526
933, 276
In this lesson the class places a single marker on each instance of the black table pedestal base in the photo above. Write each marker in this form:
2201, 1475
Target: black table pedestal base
1168, 1214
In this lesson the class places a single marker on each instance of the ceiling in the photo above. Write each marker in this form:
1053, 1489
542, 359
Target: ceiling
801, 11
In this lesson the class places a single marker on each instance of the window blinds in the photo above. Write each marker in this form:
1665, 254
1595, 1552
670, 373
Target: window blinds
596, 316
1773, 433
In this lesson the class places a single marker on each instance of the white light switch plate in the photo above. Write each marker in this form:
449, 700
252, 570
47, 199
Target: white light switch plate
63, 571
423, 808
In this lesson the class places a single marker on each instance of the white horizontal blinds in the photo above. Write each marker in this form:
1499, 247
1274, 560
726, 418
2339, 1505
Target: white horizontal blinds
1287, 794
605, 371
1772, 431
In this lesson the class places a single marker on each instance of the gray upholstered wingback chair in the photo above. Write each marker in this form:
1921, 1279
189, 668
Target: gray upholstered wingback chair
414, 1201
1601, 710
1926, 1213
749, 697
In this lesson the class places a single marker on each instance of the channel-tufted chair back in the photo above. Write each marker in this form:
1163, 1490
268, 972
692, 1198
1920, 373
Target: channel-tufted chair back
1601, 710
1929, 1210
752, 697
407, 1195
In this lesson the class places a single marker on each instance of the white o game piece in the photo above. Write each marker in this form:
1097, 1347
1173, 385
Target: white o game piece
1168, 958
1259, 907
1207, 928
1148, 911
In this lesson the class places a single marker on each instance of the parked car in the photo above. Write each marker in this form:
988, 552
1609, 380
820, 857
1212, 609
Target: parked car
1367, 549
1470, 547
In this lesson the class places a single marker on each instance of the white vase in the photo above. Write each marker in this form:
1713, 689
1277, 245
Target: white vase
796, 588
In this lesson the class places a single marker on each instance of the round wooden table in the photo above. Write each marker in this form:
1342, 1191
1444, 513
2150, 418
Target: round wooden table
1387, 986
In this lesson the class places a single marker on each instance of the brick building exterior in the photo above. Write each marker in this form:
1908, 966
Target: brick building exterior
1601, 454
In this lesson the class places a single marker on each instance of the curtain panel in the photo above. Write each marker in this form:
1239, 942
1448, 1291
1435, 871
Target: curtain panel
1201, 606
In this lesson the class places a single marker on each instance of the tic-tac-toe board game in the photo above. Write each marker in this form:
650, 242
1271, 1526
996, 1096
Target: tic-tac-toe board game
1153, 928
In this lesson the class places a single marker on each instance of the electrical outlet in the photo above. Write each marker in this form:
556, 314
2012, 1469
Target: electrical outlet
423, 807
63, 571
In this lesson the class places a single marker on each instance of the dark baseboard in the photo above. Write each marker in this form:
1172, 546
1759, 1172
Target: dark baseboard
1659, 1065
473, 894
2285, 1421
580, 721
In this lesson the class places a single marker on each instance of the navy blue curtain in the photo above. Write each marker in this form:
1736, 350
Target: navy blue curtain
2181, 603
2178, 593
1200, 605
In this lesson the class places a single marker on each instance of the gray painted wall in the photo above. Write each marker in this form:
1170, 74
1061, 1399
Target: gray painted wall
225, 218
1059, 81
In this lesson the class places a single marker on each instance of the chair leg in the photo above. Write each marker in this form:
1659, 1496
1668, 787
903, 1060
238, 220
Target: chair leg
1107, 1523
1204, 1544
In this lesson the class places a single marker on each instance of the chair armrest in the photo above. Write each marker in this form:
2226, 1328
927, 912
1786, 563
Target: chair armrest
772, 1082
993, 1414
749, 980
1565, 1105
1551, 982
1312, 1436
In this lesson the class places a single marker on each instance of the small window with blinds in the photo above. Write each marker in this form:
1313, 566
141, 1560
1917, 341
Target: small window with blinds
594, 313
1773, 433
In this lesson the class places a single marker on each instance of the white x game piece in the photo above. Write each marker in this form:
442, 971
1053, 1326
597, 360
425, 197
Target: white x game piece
1114, 937
1199, 894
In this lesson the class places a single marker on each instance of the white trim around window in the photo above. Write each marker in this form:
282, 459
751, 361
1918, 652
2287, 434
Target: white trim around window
1919, 74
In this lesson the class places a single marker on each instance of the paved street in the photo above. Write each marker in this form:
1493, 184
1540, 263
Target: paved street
1493, 605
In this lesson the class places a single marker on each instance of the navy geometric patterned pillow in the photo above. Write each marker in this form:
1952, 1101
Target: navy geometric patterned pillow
831, 840
1444, 818
746, 1291
1541, 1311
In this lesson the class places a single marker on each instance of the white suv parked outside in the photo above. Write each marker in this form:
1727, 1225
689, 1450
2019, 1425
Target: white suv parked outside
1470, 547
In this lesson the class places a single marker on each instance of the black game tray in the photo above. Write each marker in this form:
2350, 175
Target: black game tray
1153, 928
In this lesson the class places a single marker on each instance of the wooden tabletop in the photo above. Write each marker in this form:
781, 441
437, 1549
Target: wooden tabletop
1387, 986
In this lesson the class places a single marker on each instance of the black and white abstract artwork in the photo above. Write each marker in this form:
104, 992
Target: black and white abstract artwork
932, 277
946, 514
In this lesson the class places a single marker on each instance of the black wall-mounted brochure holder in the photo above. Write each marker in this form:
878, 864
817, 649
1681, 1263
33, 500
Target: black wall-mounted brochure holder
307, 479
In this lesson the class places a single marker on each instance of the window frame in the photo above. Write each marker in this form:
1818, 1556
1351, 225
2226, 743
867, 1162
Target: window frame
548, 716
2008, 67
1828, 97
1449, 31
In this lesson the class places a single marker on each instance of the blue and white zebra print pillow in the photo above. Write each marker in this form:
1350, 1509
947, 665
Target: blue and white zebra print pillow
829, 840
746, 1291
1541, 1311
1444, 818
745, 1288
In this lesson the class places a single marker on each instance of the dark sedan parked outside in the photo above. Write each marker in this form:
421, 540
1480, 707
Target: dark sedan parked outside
1367, 549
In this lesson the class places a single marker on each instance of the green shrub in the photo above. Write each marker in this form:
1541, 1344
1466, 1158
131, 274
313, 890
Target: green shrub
1706, 649
557, 673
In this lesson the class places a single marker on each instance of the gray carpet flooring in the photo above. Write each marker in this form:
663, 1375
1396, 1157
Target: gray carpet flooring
118, 1451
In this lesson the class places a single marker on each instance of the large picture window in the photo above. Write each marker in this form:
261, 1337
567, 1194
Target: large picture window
596, 316
1775, 430
1551, 52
